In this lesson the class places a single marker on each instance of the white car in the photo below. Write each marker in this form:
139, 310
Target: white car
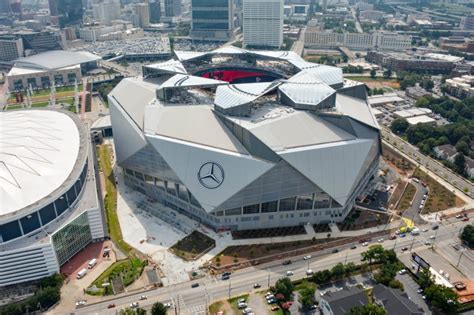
425, 230
80, 303
365, 244
167, 305
432, 237
289, 273
143, 297
307, 257
241, 305
381, 240
134, 305
309, 272
241, 301
402, 272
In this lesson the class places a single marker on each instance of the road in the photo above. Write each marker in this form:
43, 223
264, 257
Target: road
413, 212
357, 23
298, 45
195, 300
465, 187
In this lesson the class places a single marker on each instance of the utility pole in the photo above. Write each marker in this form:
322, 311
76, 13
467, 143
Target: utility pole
230, 283
412, 242
459, 260
268, 278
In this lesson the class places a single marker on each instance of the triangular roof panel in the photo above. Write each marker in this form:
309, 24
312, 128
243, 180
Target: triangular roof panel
333, 166
189, 55
238, 94
185, 80
170, 66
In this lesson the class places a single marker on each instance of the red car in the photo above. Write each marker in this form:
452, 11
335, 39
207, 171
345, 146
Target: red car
465, 219
392, 237
111, 305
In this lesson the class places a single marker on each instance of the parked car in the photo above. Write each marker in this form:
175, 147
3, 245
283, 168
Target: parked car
194, 285
167, 305
419, 291
402, 272
275, 308
459, 216
80, 303
435, 227
225, 277
241, 305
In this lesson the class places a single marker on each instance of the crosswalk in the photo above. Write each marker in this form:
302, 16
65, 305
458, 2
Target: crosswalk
197, 310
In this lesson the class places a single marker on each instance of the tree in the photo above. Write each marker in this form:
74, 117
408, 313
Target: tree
459, 163
387, 74
338, 271
158, 309
306, 294
285, 287
427, 84
373, 73
321, 277
399, 126
396, 284
424, 278
345, 58
369, 309
442, 297
373, 254
467, 235
462, 146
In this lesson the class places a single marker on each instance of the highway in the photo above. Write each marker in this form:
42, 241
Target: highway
188, 300
432, 165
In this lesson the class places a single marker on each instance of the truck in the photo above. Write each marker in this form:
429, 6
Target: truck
81, 273
92, 263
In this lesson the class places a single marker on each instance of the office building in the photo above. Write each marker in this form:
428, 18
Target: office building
49, 209
211, 19
41, 70
155, 11
467, 23
263, 23
317, 39
221, 138
143, 14
5, 7
412, 62
53, 7
107, 11
172, 8
11, 48
39, 42
69, 12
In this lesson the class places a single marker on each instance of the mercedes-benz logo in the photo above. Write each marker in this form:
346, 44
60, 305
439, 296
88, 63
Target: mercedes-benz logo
211, 175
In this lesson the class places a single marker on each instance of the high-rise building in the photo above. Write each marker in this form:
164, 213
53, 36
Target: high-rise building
5, 6
69, 11
107, 11
53, 8
143, 14
172, 8
263, 23
155, 11
212, 19
11, 48
467, 23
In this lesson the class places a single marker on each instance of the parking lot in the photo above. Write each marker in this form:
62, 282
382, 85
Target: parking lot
411, 287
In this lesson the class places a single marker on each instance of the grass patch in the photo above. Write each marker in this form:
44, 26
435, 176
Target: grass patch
193, 245
110, 199
129, 269
216, 307
362, 78
439, 198
407, 197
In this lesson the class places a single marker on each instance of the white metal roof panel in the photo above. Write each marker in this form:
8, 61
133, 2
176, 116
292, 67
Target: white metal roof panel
298, 129
356, 108
185, 80
228, 96
307, 93
189, 55
55, 59
171, 66
38, 151
194, 123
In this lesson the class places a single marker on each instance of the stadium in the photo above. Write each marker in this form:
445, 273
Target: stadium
239, 139
49, 209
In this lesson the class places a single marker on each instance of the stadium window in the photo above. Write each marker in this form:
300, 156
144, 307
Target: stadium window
287, 204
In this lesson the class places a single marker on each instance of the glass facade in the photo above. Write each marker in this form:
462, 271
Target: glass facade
72, 238
210, 15
45, 215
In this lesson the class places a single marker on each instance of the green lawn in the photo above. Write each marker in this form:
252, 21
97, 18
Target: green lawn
110, 200
130, 269
407, 197
369, 79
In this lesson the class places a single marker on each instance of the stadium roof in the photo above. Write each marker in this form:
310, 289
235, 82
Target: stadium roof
184, 80
38, 152
56, 59
356, 108
231, 95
